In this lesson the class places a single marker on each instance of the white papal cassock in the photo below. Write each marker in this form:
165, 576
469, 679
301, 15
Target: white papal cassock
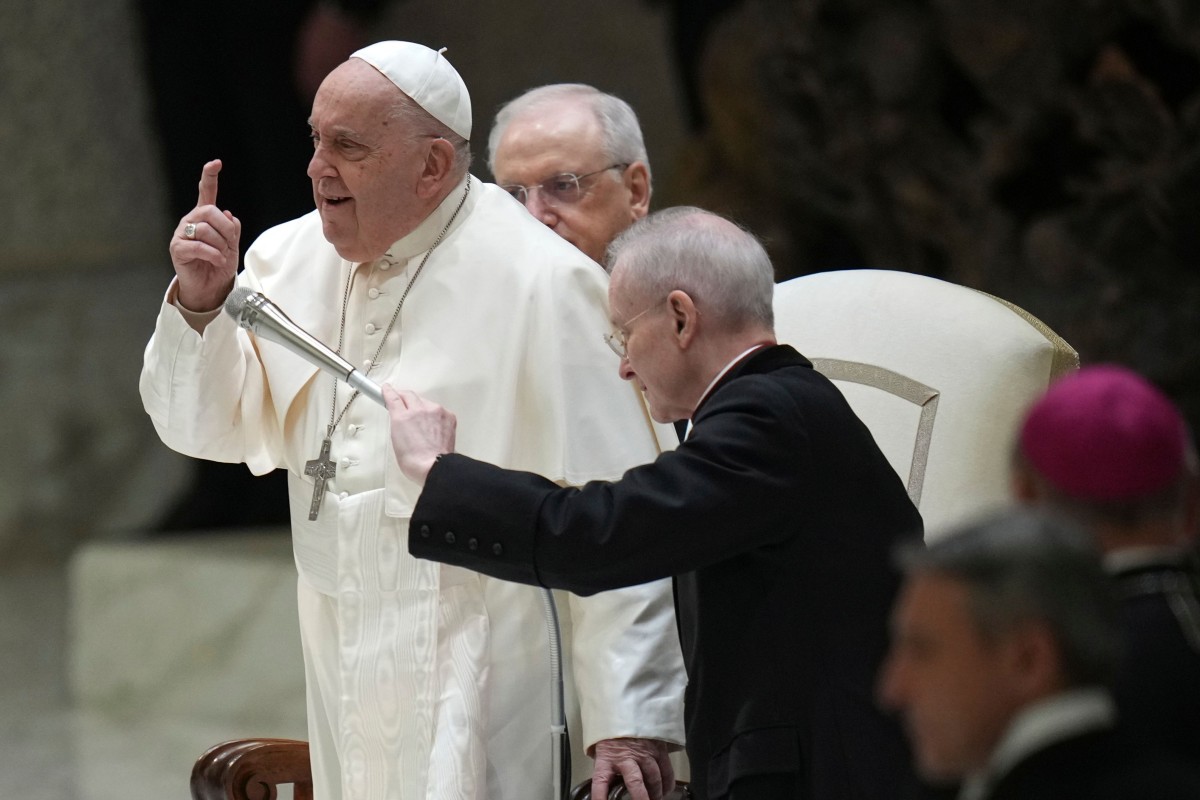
427, 681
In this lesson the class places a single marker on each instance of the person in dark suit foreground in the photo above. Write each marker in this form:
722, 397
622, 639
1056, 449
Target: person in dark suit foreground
1005, 638
1107, 449
776, 517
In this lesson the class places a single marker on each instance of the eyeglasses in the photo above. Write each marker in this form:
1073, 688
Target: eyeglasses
565, 189
617, 340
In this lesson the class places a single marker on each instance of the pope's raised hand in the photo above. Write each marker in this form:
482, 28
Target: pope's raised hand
204, 249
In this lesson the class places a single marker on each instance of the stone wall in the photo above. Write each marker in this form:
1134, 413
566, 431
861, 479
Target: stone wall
82, 186
80, 274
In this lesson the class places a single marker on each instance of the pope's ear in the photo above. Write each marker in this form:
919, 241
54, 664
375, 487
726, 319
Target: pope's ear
439, 166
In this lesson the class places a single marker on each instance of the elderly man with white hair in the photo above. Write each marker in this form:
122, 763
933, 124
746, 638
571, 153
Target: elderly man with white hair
574, 157
775, 517
423, 681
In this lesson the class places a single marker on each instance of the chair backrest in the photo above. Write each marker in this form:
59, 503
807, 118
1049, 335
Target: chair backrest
252, 769
940, 374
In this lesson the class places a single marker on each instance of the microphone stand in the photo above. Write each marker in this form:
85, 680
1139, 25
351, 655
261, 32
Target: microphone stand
560, 743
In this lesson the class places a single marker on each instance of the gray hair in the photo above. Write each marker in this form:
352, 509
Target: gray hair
1020, 566
723, 267
620, 133
420, 124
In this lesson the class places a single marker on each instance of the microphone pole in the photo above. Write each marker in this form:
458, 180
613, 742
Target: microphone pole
560, 743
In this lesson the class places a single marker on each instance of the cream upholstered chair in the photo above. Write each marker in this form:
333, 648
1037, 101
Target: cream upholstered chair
940, 374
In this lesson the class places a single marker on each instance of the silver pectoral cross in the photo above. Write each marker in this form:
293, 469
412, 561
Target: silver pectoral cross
320, 469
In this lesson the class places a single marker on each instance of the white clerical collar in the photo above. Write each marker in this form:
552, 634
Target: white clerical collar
717, 380
1038, 726
1131, 558
426, 233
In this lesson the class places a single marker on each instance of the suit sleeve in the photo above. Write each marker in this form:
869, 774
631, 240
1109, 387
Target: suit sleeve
725, 491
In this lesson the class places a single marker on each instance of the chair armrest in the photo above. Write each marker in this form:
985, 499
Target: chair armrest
251, 769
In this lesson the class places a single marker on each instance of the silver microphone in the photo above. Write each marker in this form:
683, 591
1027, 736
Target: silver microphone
254, 312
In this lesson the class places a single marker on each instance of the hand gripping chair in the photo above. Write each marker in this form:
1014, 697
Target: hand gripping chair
939, 373
254, 769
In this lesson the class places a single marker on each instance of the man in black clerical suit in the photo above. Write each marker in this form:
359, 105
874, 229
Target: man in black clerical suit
776, 516
1109, 450
1005, 638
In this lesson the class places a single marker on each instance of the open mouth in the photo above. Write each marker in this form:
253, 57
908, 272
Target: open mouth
334, 201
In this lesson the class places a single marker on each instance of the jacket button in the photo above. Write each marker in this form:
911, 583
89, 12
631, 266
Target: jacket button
449, 537
424, 531
472, 543
497, 549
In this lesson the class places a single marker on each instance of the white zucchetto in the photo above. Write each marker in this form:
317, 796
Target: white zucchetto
427, 77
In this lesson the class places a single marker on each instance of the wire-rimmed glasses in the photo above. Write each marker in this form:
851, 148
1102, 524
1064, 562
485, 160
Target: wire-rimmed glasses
565, 189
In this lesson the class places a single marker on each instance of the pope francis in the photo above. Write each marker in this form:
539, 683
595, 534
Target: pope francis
424, 681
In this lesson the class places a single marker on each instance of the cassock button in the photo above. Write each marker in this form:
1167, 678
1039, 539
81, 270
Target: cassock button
373, 293
497, 549
369, 328
449, 537
472, 543
424, 531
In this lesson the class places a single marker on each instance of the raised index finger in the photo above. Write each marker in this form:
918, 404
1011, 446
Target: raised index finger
208, 183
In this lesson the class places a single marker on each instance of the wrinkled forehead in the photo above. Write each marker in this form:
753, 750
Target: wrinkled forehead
355, 94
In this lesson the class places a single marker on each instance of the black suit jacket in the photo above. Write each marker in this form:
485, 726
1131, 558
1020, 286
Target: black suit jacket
777, 518
1100, 765
1158, 683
